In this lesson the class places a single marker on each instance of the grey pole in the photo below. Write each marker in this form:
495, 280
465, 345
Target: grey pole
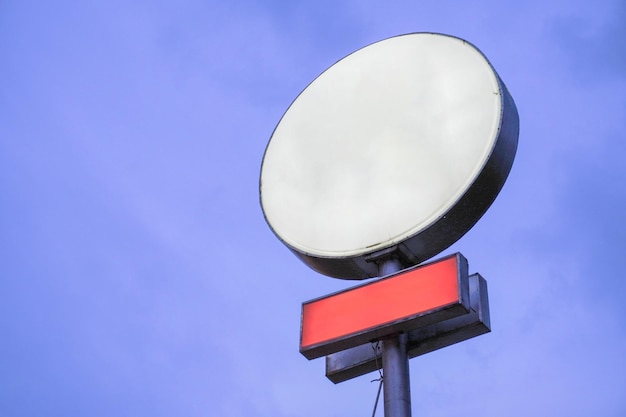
396, 383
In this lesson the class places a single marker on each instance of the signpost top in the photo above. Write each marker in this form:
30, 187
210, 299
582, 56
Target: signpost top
383, 161
398, 148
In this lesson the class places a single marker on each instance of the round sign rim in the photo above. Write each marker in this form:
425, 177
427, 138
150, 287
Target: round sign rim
452, 223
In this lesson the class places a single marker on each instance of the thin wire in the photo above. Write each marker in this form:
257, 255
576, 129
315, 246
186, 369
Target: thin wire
377, 397
375, 347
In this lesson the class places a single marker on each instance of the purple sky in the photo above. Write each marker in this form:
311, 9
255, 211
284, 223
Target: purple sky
138, 277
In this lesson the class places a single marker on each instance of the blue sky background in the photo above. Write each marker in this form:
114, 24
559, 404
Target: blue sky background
138, 277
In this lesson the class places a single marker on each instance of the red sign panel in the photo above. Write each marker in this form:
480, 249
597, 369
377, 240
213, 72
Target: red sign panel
398, 303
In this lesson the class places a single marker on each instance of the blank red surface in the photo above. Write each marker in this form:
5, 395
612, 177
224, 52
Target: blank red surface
388, 300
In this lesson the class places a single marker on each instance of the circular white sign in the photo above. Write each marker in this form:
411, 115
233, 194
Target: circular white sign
381, 147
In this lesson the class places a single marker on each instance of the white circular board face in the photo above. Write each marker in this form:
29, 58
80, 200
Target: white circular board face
380, 147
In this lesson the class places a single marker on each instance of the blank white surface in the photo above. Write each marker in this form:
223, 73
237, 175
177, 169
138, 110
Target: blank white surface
380, 145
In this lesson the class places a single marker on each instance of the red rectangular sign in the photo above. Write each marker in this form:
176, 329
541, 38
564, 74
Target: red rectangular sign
398, 303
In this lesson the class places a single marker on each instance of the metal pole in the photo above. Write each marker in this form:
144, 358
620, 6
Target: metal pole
396, 383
